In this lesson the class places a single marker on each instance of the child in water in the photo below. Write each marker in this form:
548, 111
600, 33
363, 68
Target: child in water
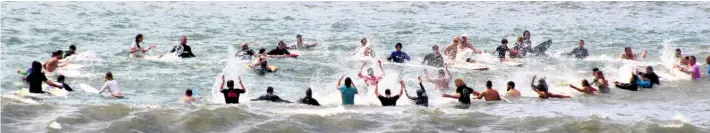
188, 97
60, 79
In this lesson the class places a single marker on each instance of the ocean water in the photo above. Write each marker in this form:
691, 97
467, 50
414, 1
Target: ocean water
103, 32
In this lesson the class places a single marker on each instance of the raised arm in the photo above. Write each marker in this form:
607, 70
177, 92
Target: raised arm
532, 83
401, 88
337, 86
449, 77
420, 83
221, 86
377, 88
381, 69
407, 94
578, 89
643, 54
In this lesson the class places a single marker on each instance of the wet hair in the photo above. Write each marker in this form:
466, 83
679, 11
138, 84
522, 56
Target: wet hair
262, 50
504, 41
420, 93
526, 31
459, 82
435, 47
627, 48
348, 82
595, 69
511, 84
230, 83
649, 68
363, 39
299, 35
398, 45
580, 40
137, 38
188, 92
309, 92
72, 47
585, 83
57, 53
109, 75
282, 43
36, 66
693, 59
60, 78
387, 92
489, 84
542, 85
270, 90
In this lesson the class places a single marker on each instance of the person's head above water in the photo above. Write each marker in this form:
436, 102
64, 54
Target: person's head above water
585, 83
511, 85
36, 66
183, 40
526, 34
348, 82
692, 60
299, 38
230, 84
371, 72
245, 46
463, 38
627, 50
309, 92
363, 41
269, 90
649, 69
139, 38
489, 84
707, 60
72, 48
519, 39
262, 51
580, 43
677, 53
435, 49
60, 78
57, 53
282, 45
504, 42
398, 46
459, 83
109, 76
456, 39
387, 92
188, 92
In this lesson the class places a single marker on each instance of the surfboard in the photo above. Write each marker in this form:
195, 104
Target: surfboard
88, 88
271, 67
58, 92
540, 49
470, 66
512, 63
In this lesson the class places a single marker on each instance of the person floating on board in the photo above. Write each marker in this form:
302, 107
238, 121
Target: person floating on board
600, 80
53, 63
366, 49
136, 51
188, 97
511, 91
542, 89
586, 88
422, 99
398, 55
489, 94
347, 90
441, 82
650, 76
629, 55
299, 43
246, 53
260, 65
271, 97
36, 77
370, 78
465, 44
463, 92
579, 52
111, 86
309, 100
434, 59
388, 99
633, 84
281, 51
183, 48
231, 95
459, 44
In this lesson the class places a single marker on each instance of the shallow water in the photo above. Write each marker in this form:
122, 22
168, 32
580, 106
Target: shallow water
31, 30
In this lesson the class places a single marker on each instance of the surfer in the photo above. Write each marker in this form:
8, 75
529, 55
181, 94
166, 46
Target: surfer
70, 52
600, 80
502, 49
629, 55
347, 91
231, 95
442, 82
692, 68
299, 43
633, 84
365, 49
525, 45
309, 100
65, 86
586, 88
434, 59
512, 92
464, 43
398, 56
280, 51
463, 92
371, 79
53, 62
188, 97
422, 99
458, 45
388, 99
650, 76
246, 53
517, 48
260, 65
542, 89
270, 96
111, 86
36, 77
186, 51
490, 94
579, 52
136, 51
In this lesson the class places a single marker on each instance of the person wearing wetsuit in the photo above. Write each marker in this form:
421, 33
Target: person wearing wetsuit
579, 52
388, 99
422, 99
36, 77
71, 51
398, 56
186, 50
434, 59
502, 49
463, 92
111, 86
650, 76
246, 53
66, 86
231, 95
280, 50
632, 85
542, 89
309, 100
347, 91
270, 96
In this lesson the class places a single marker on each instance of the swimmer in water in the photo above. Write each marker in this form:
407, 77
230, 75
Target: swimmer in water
434, 59
441, 82
525, 44
280, 51
692, 68
347, 91
388, 99
502, 49
586, 88
246, 53
371, 79
136, 51
466, 44
70, 52
707, 60
186, 51
512, 92
36, 77
579, 52
270, 96
649, 76
631, 86
111, 86
600, 80
60, 80
231, 95
398, 55
260, 65
299, 43
542, 89
463, 92
517, 48
309, 100
188, 97
53, 63
459, 43
422, 99
366, 50
629, 55
490, 94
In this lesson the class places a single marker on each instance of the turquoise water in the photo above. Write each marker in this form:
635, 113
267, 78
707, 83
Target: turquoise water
31, 30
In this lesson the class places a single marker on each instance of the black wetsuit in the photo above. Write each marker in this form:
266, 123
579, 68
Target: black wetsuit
68, 53
464, 94
435, 60
231, 95
66, 87
186, 51
388, 101
35, 79
245, 54
651, 76
579, 53
270, 97
627, 86
309, 101
422, 100
501, 51
278, 51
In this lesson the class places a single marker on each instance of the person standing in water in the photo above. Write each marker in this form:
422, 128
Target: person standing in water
111, 86
629, 55
299, 43
186, 51
70, 52
434, 59
490, 94
347, 91
502, 49
422, 99
188, 97
53, 63
692, 68
398, 56
271, 97
525, 44
463, 92
464, 43
231, 95
309, 100
579, 52
371, 79
136, 51
388, 99
542, 89
586, 88
512, 92
36, 77
246, 53
365, 49
442, 82
517, 48
600, 80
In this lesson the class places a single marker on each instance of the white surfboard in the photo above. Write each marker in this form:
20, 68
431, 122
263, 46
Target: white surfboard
88, 88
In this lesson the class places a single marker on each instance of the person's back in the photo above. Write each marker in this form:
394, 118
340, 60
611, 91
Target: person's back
309, 100
465, 94
348, 94
231, 95
491, 95
35, 79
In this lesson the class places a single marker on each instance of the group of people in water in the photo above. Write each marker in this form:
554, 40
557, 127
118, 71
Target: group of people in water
687, 64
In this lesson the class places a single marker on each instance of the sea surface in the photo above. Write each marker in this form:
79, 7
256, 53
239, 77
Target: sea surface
103, 32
